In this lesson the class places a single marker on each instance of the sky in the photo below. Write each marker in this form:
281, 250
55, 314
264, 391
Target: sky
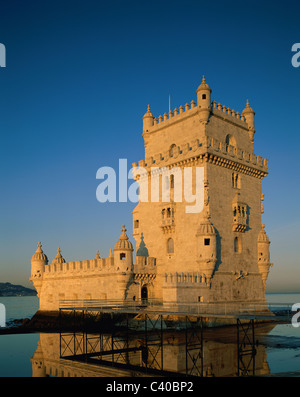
78, 78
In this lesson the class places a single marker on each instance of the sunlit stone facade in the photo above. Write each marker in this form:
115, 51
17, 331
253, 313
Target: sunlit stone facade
216, 251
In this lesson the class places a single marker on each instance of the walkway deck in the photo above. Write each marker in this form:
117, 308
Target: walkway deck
249, 311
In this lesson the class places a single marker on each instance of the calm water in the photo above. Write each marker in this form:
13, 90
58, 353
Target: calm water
19, 307
279, 346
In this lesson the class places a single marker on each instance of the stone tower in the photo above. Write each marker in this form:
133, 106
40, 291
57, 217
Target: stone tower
215, 251
38, 262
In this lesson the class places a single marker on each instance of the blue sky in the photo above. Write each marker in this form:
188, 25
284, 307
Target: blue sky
78, 79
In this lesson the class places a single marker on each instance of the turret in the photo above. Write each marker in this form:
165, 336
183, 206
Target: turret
148, 120
249, 116
38, 262
38, 366
123, 252
204, 100
206, 247
58, 260
263, 244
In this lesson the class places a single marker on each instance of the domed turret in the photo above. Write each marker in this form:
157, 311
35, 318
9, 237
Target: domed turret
204, 100
123, 252
148, 120
38, 365
58, 259
142, 250
263, 245
38, 262
249, 115
207, 247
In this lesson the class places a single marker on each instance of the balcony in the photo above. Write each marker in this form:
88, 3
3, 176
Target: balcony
239, 223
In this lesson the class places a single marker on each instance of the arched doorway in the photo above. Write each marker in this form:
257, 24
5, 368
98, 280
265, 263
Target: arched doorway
144, 293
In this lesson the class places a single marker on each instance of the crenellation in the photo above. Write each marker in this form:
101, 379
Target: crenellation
197, 148
227, 114
172, 115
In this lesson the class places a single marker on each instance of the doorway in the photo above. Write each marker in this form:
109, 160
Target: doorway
144, 294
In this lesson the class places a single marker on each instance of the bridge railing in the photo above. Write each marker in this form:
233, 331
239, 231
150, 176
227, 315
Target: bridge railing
192, 308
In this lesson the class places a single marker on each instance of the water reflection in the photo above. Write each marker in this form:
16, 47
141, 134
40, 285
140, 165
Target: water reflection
215, 352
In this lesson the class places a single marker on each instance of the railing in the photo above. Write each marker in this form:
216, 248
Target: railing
199, 308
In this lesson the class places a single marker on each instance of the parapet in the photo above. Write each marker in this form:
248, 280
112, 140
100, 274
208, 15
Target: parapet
176, 279
212, 150
99, 265
229, 114
144, 265
190, 109
178, 114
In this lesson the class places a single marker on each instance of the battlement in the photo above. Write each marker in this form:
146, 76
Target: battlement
230, 154
100, 265
190, 109
145, 264
183, 111
228, 114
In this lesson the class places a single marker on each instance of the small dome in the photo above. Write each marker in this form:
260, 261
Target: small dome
39, 255
262, 236
123, 244
248, 108
58, 259
206, 227
148, 113
203, 85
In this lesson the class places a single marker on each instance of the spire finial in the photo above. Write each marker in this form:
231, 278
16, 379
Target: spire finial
123, 235
203, 79
39, 249
97, 255
142, 250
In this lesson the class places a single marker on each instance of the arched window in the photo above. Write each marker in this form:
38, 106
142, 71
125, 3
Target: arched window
170, 246
236, 180
144, 293
237, 245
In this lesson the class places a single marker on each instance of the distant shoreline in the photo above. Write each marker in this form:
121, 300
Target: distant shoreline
9, 290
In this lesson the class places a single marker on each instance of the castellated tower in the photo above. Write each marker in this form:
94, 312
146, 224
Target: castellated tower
197, 225
214, 251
